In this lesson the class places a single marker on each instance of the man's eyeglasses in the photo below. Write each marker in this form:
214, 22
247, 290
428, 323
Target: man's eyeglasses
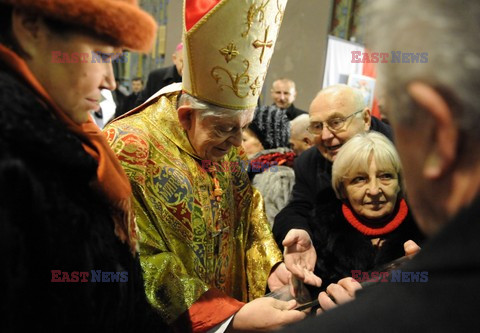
334, 124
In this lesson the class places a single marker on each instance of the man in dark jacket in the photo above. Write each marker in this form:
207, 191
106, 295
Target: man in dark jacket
434, 110
130, 101
162, 77
336, 114
284, 93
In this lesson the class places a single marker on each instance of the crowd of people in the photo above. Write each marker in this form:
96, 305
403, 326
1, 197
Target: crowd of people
191, 208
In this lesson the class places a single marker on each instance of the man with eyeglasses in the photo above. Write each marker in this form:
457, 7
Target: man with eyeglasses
434, 109
337, 113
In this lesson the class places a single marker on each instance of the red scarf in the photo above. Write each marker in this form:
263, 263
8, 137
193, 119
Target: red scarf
111, 179
285, 158
386, 229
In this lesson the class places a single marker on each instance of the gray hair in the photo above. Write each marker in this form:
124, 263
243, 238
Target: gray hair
355, 155
298, 127
208, 109
448, 32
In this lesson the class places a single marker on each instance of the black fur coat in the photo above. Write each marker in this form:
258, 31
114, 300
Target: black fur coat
51, 219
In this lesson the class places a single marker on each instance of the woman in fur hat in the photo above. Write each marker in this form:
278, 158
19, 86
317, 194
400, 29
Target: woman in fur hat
67, 231
266, 142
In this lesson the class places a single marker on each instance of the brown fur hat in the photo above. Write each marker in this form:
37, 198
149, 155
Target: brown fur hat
122, 20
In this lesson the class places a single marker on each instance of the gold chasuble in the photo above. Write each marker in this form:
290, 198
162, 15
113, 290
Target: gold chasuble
197, 252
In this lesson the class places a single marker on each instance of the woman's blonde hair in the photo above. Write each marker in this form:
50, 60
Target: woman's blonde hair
356, 154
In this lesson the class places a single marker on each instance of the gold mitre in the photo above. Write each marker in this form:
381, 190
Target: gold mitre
228, 45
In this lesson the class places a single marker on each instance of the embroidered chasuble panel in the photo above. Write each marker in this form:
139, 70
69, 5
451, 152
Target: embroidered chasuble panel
190, 242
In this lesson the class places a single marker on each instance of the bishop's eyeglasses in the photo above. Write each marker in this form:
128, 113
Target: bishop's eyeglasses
333, 124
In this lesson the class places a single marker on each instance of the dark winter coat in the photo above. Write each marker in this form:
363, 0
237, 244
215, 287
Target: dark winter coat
157, 79
293, 112
52, 219
447, 302
341, 248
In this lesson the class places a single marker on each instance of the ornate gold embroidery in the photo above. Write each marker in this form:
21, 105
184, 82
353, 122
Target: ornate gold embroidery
263, 44
253, 11
279, 16
255, 86
239, 79
229, 52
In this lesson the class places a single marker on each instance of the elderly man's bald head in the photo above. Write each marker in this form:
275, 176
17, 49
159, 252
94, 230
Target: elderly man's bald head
343, 94
300, 138
341, 104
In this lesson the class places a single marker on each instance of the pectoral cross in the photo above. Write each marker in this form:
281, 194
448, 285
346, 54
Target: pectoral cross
217, 237
220, 231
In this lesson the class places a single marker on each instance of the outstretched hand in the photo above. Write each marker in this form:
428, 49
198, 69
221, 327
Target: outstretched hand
344, 291
300, 256
411, 248
279, 277
265, 314
338, 293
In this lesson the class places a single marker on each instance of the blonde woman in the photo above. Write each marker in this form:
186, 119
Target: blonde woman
371, 221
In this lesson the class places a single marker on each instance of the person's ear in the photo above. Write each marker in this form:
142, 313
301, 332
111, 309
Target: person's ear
307, 141
186, 116
26, 29
442, 152
367, 119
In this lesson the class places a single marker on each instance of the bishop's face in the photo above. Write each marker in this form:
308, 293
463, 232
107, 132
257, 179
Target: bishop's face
212, 137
